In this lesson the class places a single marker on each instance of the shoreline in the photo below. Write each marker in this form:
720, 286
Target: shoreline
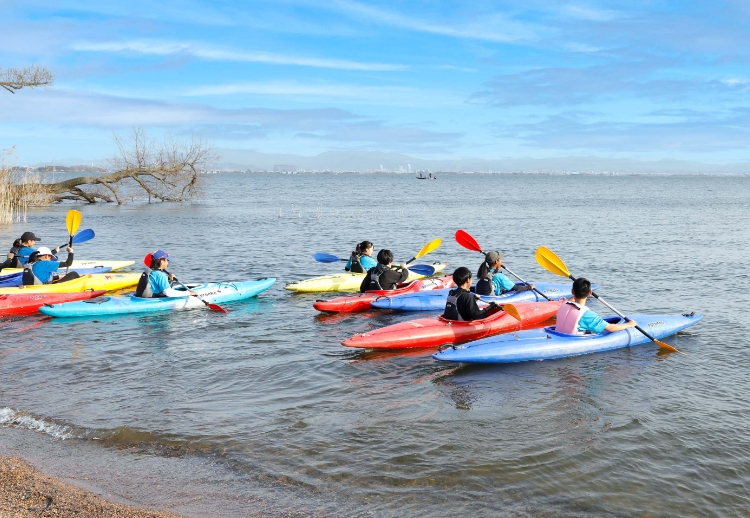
25, 491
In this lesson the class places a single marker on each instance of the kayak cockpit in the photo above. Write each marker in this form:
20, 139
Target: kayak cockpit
610, 320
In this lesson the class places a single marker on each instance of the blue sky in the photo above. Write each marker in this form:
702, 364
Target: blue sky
642, 79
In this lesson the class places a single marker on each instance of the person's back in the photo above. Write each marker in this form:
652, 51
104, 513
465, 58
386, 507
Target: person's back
461, 304
382, 276
361, 260
490, 281
44, 270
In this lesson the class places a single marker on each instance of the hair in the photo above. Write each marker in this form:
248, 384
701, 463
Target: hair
17, 243
385, 257
484, 270
361, 247
461, 275
581, 288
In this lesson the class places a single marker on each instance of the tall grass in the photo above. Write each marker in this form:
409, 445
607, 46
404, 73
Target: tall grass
19, 191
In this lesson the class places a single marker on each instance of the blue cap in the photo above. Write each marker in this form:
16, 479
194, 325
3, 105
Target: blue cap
159, 254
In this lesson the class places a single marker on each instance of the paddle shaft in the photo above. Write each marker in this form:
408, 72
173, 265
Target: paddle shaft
210, 306
597, 297
526, 283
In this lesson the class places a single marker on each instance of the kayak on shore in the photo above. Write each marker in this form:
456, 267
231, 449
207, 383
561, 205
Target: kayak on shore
30, 304
436, 331
346, 281
213, 293
78, 265
435, 300
92, 281
363, 301
547, 344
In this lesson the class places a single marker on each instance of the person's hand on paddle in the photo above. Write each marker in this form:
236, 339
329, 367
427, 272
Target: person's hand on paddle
69, 249
403, 266
11, 255
171, 277
56, 249
630, 323
193, 294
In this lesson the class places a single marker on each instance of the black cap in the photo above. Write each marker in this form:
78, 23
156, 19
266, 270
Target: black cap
28, 236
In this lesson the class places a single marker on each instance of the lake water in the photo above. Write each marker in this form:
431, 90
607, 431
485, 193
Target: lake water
261, 411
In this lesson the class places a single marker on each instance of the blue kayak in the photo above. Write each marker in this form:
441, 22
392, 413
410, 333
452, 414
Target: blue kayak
548, 344
15, 279
214, 292
435, 300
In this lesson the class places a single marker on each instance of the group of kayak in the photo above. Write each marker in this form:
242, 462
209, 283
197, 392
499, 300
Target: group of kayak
34, 280
545, 320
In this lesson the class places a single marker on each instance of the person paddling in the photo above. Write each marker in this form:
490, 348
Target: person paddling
462, 303
575, 318
491, 281
44, 269
22, 251
156, 282
382, 276
361, 259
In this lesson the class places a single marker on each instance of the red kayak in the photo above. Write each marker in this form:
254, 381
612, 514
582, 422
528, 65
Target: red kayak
18, 304
363, 301
436, 331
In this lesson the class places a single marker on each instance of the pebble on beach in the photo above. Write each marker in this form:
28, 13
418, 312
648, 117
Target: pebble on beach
26, 492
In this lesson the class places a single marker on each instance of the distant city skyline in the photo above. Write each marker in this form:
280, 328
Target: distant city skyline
433, 80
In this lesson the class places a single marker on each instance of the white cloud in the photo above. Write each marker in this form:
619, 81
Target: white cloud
210, 53
590, 14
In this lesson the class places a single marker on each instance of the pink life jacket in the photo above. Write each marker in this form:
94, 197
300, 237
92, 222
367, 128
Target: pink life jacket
568, 317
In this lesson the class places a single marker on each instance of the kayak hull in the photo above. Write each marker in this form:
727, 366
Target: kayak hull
436, 331
97, 281
215, 293
16, 279
435, 300
363, 301
344, 281
548, 344
92, 263
11, 305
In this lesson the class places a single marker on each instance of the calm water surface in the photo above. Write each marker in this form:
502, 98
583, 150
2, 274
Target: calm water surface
268, 394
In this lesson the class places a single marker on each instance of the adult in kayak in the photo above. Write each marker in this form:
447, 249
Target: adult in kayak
157, 281
382, 276
361, 260
22, 251
462, 303
491, 281
575, 318
44, 269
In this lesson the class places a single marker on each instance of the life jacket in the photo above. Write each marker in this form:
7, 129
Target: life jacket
143, 290
568, 317
485, 286
451, 306
29, 278
374, 276
356, 266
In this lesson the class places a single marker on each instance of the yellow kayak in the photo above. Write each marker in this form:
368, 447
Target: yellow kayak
346, 281
93, 263
92, 281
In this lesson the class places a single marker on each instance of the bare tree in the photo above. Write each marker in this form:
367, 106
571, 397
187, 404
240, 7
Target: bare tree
33, 76
166, 172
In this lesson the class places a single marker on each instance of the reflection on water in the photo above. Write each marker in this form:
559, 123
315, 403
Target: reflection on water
268, 391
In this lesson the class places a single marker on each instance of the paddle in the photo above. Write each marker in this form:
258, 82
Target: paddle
550, 262
419, 269
512, 311
72, 221
327, 258
213, 307
464, 239
81, 237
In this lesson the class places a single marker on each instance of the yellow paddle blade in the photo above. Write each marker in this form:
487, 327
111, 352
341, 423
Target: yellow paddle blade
512, 311
429, 247
72, 220
550, 262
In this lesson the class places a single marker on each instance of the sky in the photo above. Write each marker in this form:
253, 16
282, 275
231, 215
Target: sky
644, 79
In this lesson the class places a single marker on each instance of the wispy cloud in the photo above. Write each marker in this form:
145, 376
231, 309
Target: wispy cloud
212, 53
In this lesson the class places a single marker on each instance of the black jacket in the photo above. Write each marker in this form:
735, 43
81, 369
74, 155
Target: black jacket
388, 279
466, 306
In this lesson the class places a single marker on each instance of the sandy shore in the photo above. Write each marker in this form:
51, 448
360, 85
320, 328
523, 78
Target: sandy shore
26, 492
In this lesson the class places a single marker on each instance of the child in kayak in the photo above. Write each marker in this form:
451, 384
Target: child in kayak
156, 282
492, 281
44, 269
21, 251
361, 259
462, 303
382, 276
575, 318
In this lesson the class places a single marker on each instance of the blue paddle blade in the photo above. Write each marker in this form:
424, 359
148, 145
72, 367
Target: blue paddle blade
83, 236
326, 258
423, 269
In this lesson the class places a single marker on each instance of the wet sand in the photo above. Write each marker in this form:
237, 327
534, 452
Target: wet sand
24, 491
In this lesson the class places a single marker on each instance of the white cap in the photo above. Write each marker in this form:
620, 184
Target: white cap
43, 250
